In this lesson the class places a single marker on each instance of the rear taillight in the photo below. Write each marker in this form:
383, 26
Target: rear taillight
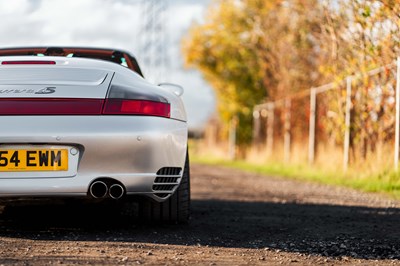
29, 62
136, 107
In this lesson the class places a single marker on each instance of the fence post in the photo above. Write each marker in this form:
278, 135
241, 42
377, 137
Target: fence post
270, 128
256, 128
346, 149
286, 146
397, 130
311, 139
232, 138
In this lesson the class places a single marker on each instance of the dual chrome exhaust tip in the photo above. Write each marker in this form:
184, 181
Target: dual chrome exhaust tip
99, 189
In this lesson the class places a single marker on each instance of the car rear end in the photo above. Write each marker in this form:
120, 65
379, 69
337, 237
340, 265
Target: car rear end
87, 129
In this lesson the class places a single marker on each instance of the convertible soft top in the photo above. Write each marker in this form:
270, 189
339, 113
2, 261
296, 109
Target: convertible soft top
117, 56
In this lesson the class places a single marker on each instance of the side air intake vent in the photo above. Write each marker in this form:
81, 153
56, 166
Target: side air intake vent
166, 181
169, 171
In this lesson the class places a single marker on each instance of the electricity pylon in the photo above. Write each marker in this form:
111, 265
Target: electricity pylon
154, 40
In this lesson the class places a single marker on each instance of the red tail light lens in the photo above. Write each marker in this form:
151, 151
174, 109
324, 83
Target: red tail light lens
136, 107
41, 106
33, 62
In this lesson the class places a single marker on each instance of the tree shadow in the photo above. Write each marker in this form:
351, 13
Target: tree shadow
327, 230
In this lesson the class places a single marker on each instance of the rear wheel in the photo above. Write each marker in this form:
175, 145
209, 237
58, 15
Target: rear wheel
176, 209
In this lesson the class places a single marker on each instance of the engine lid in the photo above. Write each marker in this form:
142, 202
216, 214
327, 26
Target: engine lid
53, 82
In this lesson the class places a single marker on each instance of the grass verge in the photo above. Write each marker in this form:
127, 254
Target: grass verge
387, 182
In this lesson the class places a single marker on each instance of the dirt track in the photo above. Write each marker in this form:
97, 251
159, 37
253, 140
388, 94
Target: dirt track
237, 218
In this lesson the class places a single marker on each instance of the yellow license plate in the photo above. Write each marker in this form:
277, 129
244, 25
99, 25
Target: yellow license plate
33, 160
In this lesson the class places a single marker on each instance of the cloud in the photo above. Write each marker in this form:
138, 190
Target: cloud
110, 23
14, 8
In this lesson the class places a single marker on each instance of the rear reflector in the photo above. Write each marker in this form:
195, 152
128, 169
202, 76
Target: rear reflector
43, 106
33, 62
136, 107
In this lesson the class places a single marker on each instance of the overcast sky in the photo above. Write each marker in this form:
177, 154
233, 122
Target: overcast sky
109, 23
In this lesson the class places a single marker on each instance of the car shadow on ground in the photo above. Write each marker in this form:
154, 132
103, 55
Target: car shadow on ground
327, 230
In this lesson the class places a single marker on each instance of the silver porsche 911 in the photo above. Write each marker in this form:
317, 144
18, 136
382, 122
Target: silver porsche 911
84, 123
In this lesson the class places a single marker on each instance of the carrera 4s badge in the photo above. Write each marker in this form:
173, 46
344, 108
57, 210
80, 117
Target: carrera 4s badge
46, 90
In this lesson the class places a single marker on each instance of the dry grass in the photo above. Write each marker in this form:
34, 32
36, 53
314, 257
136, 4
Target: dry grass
374, 173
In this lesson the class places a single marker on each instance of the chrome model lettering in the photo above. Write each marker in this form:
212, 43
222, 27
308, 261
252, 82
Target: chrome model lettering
46, 90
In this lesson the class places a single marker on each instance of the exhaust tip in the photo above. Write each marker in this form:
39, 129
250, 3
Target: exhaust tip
98, 189
116, 191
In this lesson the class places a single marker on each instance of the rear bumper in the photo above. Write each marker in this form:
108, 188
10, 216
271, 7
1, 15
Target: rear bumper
128, 149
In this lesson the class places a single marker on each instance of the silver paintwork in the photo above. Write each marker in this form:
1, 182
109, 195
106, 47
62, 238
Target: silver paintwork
108, 145
129, 149
40, 75
175, 88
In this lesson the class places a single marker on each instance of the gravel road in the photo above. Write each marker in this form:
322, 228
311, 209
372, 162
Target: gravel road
237, 219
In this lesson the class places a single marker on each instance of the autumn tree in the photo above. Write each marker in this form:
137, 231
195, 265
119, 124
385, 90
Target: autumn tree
359, 36
251, 51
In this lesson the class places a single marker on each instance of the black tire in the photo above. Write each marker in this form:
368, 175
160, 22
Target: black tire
174, 210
